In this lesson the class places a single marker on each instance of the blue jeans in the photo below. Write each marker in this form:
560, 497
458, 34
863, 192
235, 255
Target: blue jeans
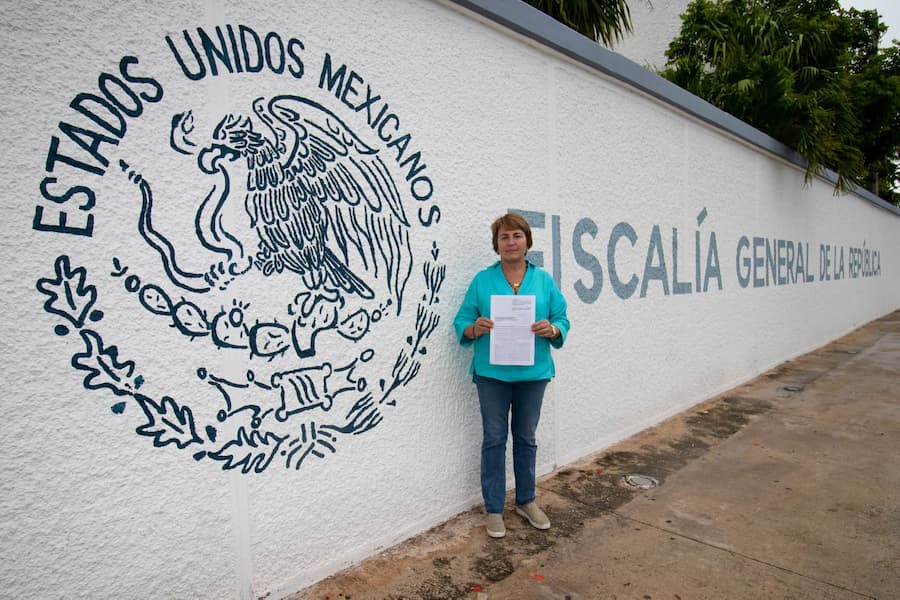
496, 398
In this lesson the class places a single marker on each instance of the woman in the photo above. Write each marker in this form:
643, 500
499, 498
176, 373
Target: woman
502, 388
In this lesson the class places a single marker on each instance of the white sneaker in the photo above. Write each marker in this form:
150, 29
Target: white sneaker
495, 526
534, 515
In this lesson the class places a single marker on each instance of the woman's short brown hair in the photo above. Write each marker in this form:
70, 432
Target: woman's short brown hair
510, 221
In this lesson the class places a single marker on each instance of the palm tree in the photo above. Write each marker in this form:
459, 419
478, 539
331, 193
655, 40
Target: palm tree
605, 21
775, 65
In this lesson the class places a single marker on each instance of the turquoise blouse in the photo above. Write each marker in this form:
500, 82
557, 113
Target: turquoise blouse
549, 304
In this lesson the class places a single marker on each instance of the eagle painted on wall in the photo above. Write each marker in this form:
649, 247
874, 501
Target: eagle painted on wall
316, 196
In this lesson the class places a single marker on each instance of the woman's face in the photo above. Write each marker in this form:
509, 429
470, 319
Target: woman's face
512, 244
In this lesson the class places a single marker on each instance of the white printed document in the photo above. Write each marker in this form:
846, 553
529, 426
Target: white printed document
512, 341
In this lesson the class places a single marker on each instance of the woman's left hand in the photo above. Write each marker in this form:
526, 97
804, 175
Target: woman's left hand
545, 329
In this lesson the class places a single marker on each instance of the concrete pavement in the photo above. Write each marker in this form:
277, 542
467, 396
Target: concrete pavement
785, 487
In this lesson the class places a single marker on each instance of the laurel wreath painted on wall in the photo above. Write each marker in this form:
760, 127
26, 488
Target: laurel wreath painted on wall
259, 413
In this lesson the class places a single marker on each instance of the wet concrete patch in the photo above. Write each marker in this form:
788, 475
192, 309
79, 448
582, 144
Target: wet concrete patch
726, 417
448, 579
440, 586
599, 486
800, 374
538, 541
496, 565
567, 519
689, 447
597, 491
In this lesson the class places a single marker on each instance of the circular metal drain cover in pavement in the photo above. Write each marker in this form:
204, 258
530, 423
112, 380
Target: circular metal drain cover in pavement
644, 482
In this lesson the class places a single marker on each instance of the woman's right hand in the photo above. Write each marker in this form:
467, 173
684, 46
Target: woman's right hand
481, 326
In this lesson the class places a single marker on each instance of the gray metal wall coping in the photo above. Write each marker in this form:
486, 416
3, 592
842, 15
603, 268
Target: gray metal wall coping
534, 24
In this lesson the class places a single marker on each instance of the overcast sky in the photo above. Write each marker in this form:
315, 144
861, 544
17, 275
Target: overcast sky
889, 11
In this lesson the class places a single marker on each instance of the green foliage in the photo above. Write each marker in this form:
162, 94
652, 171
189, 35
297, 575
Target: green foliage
606, 21
875, 91
803, 71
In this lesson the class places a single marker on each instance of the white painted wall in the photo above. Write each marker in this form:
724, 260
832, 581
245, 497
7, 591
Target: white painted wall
92, 508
